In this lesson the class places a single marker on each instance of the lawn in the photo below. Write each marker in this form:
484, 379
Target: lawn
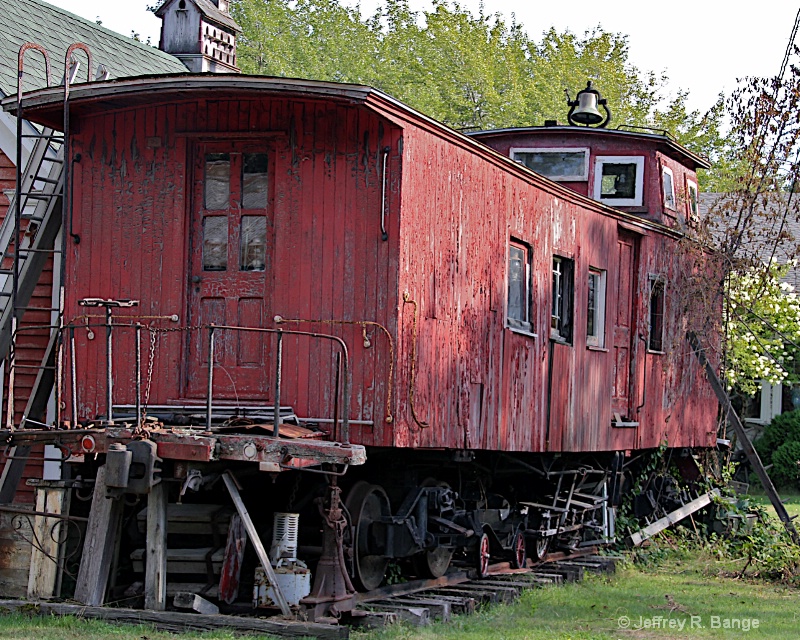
675, 600
679, 597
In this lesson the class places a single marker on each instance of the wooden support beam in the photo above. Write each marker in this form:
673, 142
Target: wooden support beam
668, 520
741, 434
46, 558
98, 547
230, 483
12, 473
187, 600
179, 622
155, 573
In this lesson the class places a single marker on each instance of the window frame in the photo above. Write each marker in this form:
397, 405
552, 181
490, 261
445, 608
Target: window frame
638, 198
583, 177
598, 338
692, 206
673, 206
517, 324
656, 283
562, 299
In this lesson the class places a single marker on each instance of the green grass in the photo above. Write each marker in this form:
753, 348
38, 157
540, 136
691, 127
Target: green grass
790, 500
598, 608
23, 627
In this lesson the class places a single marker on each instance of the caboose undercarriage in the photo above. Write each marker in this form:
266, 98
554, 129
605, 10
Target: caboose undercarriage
356, 520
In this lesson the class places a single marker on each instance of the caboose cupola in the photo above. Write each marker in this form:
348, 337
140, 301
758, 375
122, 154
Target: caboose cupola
643, 172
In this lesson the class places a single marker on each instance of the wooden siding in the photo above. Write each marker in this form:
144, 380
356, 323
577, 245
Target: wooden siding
31, 344
438, 284
459, 214
133, 211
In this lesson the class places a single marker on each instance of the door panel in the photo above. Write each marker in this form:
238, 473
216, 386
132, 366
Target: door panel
623, 325
230, 266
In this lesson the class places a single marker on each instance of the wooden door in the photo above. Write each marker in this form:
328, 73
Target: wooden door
230, 262
624, 324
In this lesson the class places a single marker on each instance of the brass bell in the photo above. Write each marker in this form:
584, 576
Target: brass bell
584, 109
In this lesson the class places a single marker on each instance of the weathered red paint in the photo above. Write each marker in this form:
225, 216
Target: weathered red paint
437, 285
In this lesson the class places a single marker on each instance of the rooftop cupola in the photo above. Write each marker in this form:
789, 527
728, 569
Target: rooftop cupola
200, 33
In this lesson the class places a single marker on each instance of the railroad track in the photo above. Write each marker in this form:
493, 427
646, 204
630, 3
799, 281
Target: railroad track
420, 602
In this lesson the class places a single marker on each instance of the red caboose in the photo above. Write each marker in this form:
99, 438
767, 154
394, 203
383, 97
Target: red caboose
323, 261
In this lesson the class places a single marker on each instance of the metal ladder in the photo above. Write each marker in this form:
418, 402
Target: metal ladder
28, 237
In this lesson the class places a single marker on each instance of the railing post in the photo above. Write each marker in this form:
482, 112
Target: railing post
337, 380
138, 374
73, 377
210, 374
109, 369
346, 400
276, 417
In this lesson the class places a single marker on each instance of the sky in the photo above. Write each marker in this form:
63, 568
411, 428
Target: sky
703, 46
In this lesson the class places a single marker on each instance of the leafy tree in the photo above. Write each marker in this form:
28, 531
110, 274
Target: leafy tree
468, 71
762, 316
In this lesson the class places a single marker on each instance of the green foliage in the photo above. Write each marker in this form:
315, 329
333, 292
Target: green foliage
468, 71
762, 315
785, 471
783, 428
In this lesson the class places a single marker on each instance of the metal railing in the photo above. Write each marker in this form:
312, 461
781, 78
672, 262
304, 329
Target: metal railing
341, 369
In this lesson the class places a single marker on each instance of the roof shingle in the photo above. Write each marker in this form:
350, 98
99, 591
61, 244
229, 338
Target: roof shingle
55, 29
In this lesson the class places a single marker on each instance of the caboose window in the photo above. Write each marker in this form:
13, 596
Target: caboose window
668, 184
217, 181
519, 286
691, 202
596, 308
255, 180
655, 340
253, 243
561, 315
215, 243
555, 163
619, 180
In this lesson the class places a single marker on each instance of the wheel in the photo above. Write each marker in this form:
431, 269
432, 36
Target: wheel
539, 548
518, 550
484, 555
432, 563
367, 504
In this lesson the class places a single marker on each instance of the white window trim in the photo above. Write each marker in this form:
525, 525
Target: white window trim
575, 178
598, 340
667, 205
637, 200
692, 216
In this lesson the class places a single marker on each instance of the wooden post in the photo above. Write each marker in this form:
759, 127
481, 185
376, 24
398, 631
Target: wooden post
45, 562
155, 575
98, 548
747, 446
230, 483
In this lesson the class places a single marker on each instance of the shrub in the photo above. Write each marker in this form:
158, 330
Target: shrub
785, 471
783, 430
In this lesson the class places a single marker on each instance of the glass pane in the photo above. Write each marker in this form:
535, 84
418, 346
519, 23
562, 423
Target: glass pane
254, 181
669, 192
218, 181
591, 311
693, 200
555, 164
215, 243
555, 318
618, 181
517, 295
253, 243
